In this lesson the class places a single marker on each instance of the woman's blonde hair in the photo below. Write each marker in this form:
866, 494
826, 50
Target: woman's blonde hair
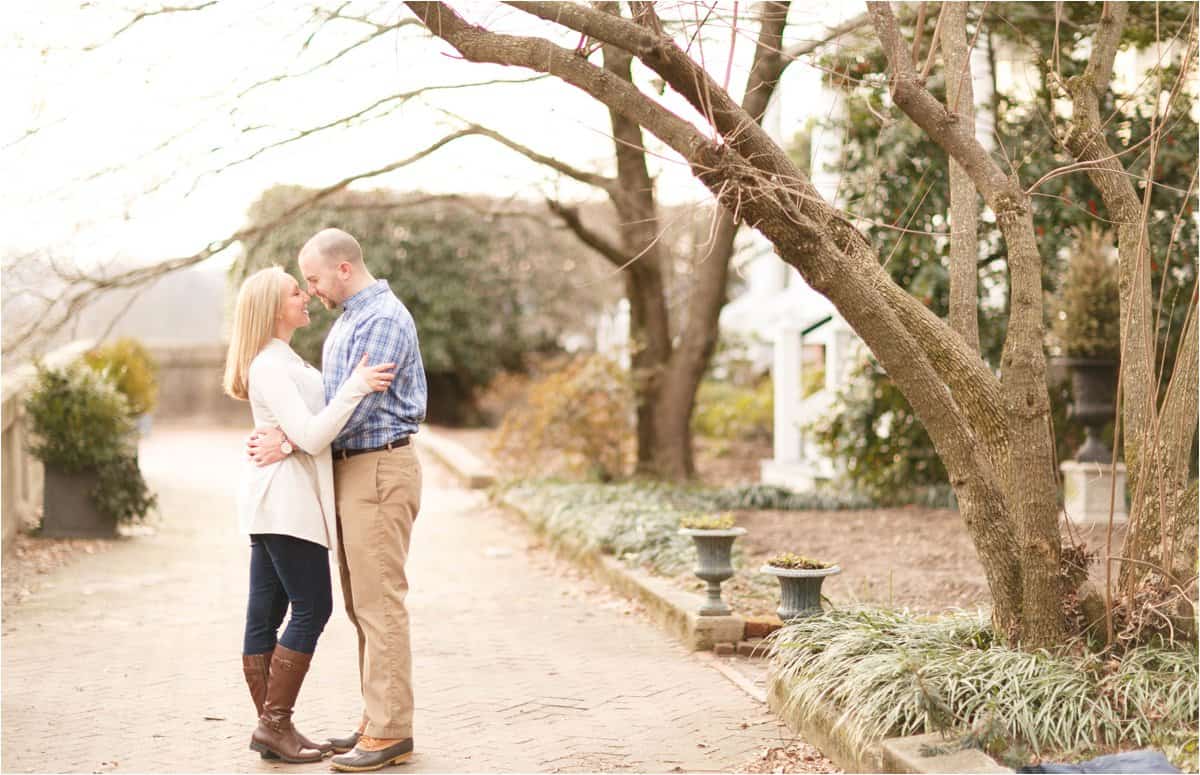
258, 303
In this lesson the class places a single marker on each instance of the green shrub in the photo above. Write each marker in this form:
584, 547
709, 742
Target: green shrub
776, 498
578, 420
128, 365
726, 411
79, 419
81, 422
871, 428
122, 492
483, 292
1087, 320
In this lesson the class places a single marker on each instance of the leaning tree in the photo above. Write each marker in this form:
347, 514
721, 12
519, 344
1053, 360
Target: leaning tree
991, 430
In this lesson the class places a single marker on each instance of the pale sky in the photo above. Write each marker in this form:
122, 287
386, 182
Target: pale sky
104, 113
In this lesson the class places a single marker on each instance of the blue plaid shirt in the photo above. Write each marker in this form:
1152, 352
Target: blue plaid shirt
376, 322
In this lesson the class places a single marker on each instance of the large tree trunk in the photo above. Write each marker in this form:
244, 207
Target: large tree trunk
1030, 481
1157, 444
650, 325
667, 373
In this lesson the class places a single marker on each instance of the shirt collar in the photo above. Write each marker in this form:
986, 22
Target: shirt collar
364, 296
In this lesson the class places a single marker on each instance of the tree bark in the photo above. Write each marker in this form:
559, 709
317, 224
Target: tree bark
649, 324
1031, 482
964, 211
1086, 142
1157, 445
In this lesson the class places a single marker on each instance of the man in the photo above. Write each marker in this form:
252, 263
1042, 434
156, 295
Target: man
377, 484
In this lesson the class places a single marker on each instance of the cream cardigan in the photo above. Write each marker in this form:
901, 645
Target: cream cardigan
294, 496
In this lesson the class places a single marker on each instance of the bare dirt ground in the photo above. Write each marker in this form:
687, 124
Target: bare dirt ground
906, 557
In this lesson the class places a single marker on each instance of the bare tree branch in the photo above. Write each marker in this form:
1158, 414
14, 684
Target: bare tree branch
379, 31
593, 239
166, 9
807, 47
74, 300
394, 100
583, 176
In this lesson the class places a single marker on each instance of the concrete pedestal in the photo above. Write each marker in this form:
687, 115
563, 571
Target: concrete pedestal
1087, 492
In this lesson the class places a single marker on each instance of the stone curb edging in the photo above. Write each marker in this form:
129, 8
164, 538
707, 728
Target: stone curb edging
466, 465
675, 611
672, 609
854, 751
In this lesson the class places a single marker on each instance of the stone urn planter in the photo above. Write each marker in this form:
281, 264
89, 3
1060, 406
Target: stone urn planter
1094, 383
800, 589
714, 563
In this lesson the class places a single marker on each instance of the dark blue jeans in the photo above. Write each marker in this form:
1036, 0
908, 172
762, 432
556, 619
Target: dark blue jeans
286, 570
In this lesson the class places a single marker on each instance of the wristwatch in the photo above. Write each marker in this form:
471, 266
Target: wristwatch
285, 446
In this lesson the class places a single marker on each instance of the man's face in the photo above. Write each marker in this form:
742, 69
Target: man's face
322, 279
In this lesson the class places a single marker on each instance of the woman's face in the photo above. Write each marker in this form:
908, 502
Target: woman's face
293, 309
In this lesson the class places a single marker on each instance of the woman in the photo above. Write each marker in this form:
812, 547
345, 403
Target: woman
286, 508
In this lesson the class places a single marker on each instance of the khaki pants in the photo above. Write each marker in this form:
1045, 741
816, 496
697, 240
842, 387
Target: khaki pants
378, 496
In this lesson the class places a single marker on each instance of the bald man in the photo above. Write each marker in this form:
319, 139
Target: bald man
377, 483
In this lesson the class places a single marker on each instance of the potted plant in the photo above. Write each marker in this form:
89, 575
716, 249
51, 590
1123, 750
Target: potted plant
800, 581
81, 431
713, 535
128, 365
1087, 327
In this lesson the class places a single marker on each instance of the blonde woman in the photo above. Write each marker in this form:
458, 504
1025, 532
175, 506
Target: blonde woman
287, 508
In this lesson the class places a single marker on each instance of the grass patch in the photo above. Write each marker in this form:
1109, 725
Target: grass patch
889, 673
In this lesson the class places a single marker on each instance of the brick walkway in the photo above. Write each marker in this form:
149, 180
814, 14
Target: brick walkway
128, 660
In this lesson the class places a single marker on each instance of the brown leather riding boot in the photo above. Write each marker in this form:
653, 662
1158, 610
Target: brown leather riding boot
275, 733
257, 669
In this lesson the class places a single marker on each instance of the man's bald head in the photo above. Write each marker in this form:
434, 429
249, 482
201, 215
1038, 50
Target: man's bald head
331, 263
334, 246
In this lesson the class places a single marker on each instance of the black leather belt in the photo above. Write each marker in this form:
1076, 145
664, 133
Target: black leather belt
343, 454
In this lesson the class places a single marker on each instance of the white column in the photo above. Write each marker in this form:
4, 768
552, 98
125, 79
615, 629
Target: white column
837, 354
786, 373
981, 86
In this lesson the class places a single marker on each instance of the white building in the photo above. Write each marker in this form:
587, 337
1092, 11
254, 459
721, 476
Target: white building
806, 331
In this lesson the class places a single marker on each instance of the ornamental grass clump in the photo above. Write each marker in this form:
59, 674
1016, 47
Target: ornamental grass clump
722, 521
889, 673
797, 562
